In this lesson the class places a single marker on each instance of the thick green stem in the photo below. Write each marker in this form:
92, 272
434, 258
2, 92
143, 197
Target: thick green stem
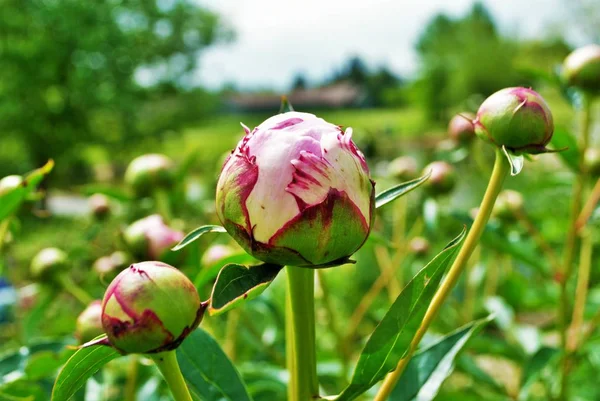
583, 279
499, 173
570, 244
163, 204
132, 379
72, 288
304, 385
169, 367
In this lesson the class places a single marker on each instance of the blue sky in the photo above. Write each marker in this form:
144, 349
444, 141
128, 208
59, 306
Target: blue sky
277, 39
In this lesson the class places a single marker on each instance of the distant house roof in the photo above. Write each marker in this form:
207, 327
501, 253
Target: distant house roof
339, 95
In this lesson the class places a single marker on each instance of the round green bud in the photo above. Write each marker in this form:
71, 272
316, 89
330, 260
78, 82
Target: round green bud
419, 246
403, 168
150, 307
99, 206
442, 179
151, 237
516, 118
89, 323
592, 161
581, 68
508, 205
48, 262
9, 183
149, 172
461, 128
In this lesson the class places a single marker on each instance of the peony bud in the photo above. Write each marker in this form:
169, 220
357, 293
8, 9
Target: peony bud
89, 323
107, 267
592, 161
443, 178
150, 307
581, 68
461, 128
48, 262
216, 253
517, 118
296, 191
419, 246
403, 168
508, 205
150, 237
9, 183
150, 172
99, 206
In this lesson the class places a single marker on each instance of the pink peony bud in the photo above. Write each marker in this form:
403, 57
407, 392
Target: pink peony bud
443, 178
517, 118
89, 323
216, 253
403, 168
149, 172
150, 307
99, 206
296, 191
150, 237
461, 128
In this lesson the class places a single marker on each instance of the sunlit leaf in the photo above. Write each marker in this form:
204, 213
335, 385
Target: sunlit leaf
197, 233
534, 367
516, 161
397, 191
10, 201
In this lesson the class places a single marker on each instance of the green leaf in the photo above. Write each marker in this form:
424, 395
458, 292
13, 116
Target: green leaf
534, 367
467, 365
397, 191
563, 139
10, 201
392, 337
209, 273
430, 367
285, 106
515, 161
83, 364
111, 192
238, 283
197, 233
208, 372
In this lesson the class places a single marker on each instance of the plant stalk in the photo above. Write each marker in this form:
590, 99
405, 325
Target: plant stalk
583, 279
72, 288
304, 385
499, 173
163, 204
167, 363
132, 379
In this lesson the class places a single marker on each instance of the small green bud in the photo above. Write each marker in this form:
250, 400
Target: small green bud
48, 262
150, 172
461, 128
581, 68
150, 237
403, 168
9, 183
89, 323
99, 206
592, 161
442, 179
516, 118
150, 307
508, 205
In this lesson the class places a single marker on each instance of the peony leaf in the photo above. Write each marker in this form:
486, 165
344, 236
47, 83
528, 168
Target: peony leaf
10, 201
238, 283
533, 369
83, 364
516, 161
392, 337
397, 191
430, 367
197, 233
208, 372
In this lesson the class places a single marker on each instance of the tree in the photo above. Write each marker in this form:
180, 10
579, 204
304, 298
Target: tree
73, 72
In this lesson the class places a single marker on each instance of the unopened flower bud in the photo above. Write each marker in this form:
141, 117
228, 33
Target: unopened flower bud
9, 183
516, 118
461, 128
581, 68
89, 323
48, 262
419, 246
508, 205
403, 168
150, 172
107, 267
216, 253
150, 307
99, 206
150, 237
592, 161
442, 179
296, 191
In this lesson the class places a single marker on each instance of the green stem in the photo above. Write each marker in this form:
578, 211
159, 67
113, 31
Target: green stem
570, 244
72, 288
499, 173
163, 204
167, 363
583, 279
4, 225
304, 385
332, 319
132, 376
231, 333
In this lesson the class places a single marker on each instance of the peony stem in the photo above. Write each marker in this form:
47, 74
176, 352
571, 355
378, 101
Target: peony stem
163, 204
567, 268
304, 385
499, 173
76, 291
132, 379
167, 363
583, 279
